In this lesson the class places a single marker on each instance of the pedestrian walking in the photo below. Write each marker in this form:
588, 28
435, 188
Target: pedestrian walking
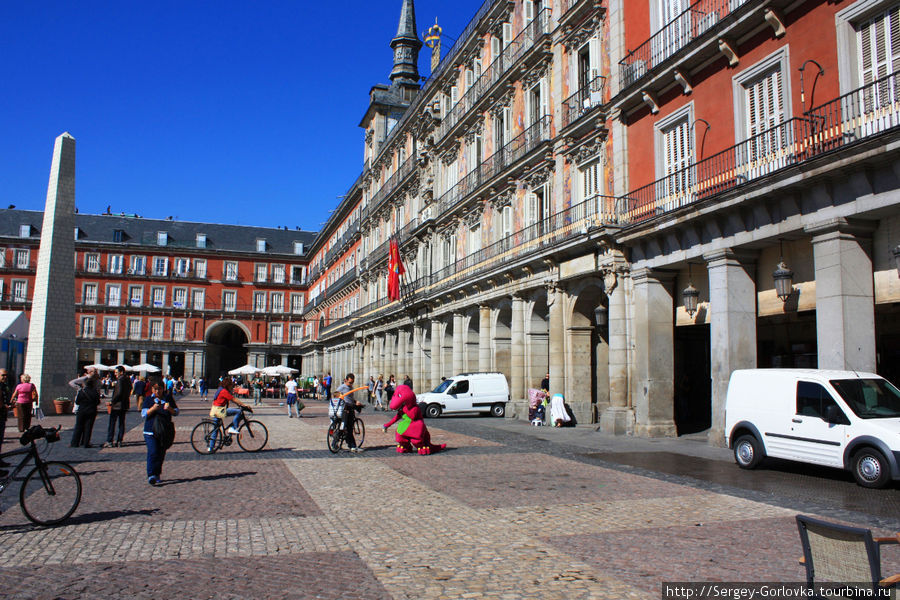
156, 406
119, 405
257, 385
379, 392
204, 387
87, 398
25, 396
291, 400
139, 390
407, 381
371, 385
327, 380
389, 388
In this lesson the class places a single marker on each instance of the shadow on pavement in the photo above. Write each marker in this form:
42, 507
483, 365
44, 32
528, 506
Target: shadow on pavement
95, 517
165, 482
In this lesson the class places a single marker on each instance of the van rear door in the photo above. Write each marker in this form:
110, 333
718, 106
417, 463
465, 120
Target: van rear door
811, 438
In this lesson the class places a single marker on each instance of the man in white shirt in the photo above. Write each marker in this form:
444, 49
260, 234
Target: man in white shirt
291, 389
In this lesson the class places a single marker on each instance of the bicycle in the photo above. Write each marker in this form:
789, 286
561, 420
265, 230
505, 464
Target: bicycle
336, 435
208, 436
51, 491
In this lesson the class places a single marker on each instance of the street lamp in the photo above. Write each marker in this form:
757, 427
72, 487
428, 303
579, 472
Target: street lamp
690, 295
601, 315
784, 285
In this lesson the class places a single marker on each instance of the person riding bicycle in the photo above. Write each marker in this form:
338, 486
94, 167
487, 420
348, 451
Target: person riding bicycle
222, 398
351, 406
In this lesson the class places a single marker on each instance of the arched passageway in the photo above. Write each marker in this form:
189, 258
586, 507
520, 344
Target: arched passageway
226, 349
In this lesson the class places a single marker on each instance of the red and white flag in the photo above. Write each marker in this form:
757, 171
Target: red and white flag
395, 270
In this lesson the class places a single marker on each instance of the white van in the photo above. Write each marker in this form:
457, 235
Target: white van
468, 392
840, 419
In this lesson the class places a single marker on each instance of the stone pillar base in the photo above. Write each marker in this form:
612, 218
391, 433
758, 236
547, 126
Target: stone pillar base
517, 409
656, 430
617, 420
583, 411
716, 437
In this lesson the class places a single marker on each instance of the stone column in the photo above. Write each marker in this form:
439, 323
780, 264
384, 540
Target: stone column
653, 398
165, 363
517, 350
436, 351
50, 356
845, 294
555, 300
458, 342
416, 375
402, 351
484, 338
732, 327
617, 418
97, 356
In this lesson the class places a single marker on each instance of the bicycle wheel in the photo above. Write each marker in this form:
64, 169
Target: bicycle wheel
334, 437
252, 436
50, 493
359, 432
203, 440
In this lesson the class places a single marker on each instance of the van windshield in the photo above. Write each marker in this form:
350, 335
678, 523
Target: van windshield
443, 387
869, 398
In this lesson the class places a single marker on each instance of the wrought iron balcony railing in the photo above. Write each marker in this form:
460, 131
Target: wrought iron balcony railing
700, 17
583, 101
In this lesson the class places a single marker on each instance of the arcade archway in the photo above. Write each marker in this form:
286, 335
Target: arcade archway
226, 343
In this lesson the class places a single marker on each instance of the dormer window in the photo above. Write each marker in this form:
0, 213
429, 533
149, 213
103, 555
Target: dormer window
162, 238
24, 231
201, 240
260, 245
298, 247
77, 233
118, 236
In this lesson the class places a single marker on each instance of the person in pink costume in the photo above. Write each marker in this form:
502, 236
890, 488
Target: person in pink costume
411, 429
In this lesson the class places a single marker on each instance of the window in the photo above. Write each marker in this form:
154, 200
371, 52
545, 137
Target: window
201, 240
19, 290
198, 298
296, 303
89, 293
260, 271
260, 245
277, 301
116, 263
113, 295
136, 295
22, 259
298, 247
277, 273
138, 265
296, 334
87, 327
259, 302
200, 268
158, 296
813, 399
2, 258
474, 240
162, 238
111, 328
762, 94
134, 329
536, 102
675, 24
231, 271
178, 328
92, 262
179, 297
156, 329
182, 267
118, 235
229, 300
507, 220
160, 266
24, 231
275, 333
879, 57
675, 156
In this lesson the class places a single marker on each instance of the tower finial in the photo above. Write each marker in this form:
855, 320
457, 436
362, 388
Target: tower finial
406, 47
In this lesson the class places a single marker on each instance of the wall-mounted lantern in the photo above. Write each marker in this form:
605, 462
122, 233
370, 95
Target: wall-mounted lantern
784, 279
690, 295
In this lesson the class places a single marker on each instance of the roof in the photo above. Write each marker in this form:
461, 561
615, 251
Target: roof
181, 234
13, 321
817, 373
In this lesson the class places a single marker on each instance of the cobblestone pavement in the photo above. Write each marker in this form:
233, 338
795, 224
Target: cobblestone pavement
501, 514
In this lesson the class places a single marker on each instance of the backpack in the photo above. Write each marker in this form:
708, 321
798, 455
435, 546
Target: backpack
164, 429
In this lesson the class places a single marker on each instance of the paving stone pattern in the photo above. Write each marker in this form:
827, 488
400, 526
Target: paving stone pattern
483, 520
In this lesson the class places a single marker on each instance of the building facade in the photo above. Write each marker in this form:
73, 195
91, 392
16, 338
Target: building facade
637, 197
190, 298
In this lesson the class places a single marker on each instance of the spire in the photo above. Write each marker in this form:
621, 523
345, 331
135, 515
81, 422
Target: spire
406, 47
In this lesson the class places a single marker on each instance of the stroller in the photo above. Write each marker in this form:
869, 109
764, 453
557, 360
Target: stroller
536, 410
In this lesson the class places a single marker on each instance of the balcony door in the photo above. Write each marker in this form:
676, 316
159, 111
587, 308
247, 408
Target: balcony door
675, 29
678, 158
767, 133
878, 42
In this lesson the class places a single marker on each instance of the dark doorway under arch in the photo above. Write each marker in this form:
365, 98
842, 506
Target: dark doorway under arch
226, 350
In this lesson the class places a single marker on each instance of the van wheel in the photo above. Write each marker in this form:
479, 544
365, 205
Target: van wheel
747, 452
433, 411
870, 468
498, 410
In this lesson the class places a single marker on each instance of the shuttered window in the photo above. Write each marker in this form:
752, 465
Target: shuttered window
765, 112
879, 55
590, 180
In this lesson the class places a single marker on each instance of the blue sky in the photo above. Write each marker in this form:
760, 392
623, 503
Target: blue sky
220, 111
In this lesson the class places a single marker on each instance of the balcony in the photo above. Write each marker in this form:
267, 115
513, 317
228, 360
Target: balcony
342, 282
390, 185
495, 73
583, 102
10, 301
862, 114
575, 11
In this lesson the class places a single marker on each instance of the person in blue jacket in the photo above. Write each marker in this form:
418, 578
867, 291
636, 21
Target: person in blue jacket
153, 405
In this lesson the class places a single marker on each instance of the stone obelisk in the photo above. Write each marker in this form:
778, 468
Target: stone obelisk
50, 357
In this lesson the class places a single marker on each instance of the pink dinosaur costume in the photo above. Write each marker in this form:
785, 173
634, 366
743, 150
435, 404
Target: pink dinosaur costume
411, 429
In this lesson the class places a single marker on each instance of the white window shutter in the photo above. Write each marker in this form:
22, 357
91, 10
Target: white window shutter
495, 48
545, 98
529, 10
594, 57
470, 78
507, 34
530, 208
454, 95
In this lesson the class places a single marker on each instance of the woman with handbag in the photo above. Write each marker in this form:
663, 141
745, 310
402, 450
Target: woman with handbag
87, 399
26, 395
158, 405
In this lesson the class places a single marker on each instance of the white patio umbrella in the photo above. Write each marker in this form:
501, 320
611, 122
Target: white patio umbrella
99, 367
278, 370
146, 367
245, 370
127, 368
